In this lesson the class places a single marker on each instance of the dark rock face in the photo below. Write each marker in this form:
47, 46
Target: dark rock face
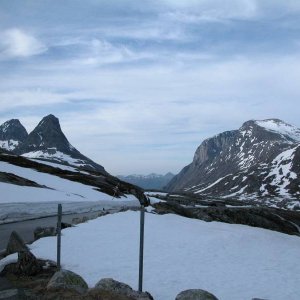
12, 135
47, 134
260, 159
151, 181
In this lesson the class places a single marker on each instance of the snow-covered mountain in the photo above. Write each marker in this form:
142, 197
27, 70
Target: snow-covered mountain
260, 159
46, 142
151, 181
12, 135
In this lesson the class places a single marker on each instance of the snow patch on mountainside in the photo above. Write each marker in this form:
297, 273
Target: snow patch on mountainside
55, 156
280, 127
281, 171
9, 145
213, 184
59, 166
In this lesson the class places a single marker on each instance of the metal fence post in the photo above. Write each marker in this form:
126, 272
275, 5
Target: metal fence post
141, 261
59, 217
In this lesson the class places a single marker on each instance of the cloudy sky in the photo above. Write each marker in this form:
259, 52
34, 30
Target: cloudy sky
137, 85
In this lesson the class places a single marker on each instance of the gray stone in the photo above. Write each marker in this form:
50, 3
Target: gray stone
41, 232
12, 294
67, 280
111, 285
195, 294
15, 244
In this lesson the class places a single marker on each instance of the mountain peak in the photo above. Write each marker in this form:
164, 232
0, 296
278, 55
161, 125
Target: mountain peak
12, 134
48, 142
259, 159
280, 127
49, 120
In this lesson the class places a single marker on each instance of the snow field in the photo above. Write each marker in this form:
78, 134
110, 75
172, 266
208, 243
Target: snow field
234, 262
59, 189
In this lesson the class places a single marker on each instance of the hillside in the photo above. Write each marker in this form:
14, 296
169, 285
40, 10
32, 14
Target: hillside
259, 160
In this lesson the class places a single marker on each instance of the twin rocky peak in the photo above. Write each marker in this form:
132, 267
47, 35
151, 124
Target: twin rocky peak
259, 160
46, 141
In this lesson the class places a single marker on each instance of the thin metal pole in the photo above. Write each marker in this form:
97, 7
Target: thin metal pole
141, 261
59, 216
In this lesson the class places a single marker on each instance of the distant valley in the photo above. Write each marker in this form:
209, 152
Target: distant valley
148, 182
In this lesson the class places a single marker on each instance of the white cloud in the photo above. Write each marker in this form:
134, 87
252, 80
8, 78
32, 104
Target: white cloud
17, 43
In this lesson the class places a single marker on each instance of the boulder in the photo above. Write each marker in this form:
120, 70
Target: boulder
27, 264
195, 294
15, 244
67, 280
119, 288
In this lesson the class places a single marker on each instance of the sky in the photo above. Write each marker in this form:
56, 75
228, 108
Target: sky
138, 85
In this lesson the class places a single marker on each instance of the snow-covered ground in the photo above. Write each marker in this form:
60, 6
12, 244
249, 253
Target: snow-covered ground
234, 262
25, 202
59, 189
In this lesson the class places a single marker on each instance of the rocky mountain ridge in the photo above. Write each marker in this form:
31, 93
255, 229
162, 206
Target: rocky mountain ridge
46, 142
260, 159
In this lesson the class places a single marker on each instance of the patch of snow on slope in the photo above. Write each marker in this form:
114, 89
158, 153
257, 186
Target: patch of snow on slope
280, 127
9, 145
211, 185
241, 191
57, 155
59, 166
60, 189
234, 262
281, 170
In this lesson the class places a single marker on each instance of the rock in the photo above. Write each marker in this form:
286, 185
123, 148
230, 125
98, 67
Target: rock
111, 285
106, 295
15, 244
65, 225
67, 280
12, 294
41, 232
27, 264
195, 294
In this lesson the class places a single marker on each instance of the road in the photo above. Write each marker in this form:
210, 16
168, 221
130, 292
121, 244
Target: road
26, 228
